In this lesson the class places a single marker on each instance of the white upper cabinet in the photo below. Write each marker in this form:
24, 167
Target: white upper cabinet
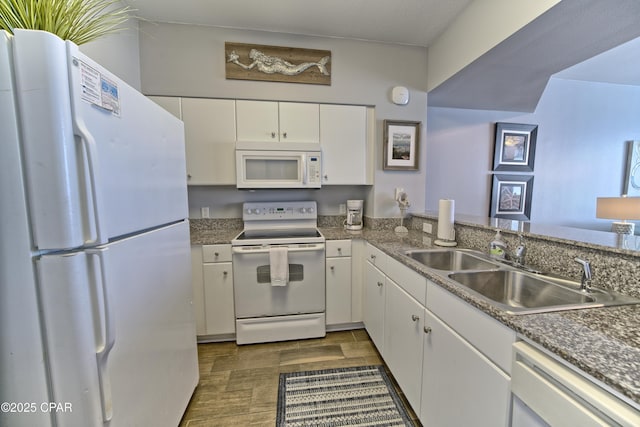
343, 137
299, 122
210, 135
172, 104
263, 121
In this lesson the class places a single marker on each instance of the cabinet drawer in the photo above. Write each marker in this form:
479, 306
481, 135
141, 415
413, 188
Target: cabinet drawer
338, 248
376, 257
488, 335
412, 282
216, 253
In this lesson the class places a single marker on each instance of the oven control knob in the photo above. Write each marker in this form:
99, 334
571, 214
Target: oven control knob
257, 211
310, 210
249, 211
303, 210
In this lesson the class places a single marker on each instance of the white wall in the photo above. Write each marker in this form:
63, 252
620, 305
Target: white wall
186, 60
581, 147
119, 53
479, 27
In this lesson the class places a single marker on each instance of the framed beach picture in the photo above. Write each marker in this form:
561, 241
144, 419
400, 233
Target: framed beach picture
632, 174
511, 197
515, 147
401, 143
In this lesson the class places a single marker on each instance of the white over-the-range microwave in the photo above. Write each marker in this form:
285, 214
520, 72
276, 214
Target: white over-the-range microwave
278, 165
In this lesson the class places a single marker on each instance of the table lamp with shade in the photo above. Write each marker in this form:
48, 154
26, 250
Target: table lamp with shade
621, 208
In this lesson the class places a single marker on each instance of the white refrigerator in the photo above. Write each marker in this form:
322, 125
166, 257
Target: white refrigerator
96, 317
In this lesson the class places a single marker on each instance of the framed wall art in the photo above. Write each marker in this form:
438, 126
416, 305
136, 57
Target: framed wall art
277, 64
515, 147
631, 185
401, 145
511, 197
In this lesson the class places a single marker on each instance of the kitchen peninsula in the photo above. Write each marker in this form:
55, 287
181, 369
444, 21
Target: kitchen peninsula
593, 340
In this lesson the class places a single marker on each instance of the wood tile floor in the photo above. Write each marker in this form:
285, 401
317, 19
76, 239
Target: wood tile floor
239, 384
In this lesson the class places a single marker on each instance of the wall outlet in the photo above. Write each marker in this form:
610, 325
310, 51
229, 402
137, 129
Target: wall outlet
427, 227
204, 212
343, 208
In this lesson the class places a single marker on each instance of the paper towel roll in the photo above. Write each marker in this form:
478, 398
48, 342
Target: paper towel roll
445, 219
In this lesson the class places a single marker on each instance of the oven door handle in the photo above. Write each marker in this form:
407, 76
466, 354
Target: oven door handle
249, 250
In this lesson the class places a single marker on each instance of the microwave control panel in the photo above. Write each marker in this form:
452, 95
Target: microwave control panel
314, 169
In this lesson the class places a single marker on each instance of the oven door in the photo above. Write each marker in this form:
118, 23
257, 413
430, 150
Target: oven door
254, 294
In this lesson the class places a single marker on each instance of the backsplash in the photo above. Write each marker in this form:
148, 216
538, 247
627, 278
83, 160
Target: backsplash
618, 270
214, 224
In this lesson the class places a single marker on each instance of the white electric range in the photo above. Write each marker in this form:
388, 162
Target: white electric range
279, 273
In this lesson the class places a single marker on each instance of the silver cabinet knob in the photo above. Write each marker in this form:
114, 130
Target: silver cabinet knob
333, 267
415, 318
373, 257
189, 176
224, 273
379, 284
273, 134
284, 134
216, 254
427, 330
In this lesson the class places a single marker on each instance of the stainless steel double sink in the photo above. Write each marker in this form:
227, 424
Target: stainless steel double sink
510, 289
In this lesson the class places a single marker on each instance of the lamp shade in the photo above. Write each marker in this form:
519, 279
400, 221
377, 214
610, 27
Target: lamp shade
618, 208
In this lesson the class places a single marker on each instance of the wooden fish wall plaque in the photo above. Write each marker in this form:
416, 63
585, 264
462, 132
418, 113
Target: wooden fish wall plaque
277, 64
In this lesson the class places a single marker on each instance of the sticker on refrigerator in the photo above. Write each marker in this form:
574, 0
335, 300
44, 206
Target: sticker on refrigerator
98, 90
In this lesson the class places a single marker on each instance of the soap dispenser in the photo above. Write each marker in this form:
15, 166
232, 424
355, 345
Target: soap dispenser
497, 247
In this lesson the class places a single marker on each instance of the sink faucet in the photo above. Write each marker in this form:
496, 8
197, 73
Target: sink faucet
585, 282
520, 252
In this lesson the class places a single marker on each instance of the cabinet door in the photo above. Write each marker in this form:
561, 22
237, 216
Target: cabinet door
257, 121
210, 133
460, 386
299, 122
218, 298
338, 288
373, 305
197, 284
343, 129
403, 336
170, 103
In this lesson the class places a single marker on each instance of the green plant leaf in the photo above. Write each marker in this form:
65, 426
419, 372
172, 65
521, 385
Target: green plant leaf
79, 21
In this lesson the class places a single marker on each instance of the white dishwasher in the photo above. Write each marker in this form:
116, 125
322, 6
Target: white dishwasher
546, 392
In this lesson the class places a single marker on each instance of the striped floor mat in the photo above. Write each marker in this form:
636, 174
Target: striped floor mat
361, 396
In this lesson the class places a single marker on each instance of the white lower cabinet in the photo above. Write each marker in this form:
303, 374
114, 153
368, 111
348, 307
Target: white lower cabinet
197, 284
460, 386
338, 282
218, 305
403, 330
451, 360
373, 305
218, 298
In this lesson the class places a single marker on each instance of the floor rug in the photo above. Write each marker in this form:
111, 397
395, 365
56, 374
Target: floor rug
361, 396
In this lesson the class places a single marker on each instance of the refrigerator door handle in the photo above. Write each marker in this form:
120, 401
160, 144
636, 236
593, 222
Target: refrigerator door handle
107, 335
93, 177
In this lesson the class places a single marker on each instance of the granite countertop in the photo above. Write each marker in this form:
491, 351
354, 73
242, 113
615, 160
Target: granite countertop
603, 342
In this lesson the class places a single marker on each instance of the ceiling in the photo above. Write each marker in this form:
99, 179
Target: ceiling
618, 66
407, 22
